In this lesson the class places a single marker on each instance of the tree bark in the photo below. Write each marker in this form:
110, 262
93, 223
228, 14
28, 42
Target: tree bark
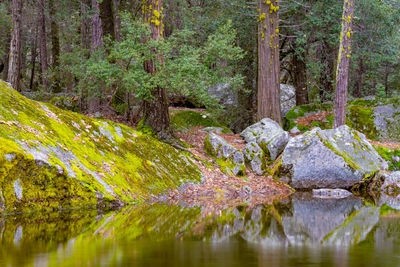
94, 101
97, 32
34, 55
14, 66
55, 48
43, 43
6, 55
117, 21
85, 24
342, 72
300, 79
268, 104
155, 111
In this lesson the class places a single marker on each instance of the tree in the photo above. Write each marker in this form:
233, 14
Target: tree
43, 42
342, 72
97, 32
14, 66
268, 97
55, 46
85, 24
155, 110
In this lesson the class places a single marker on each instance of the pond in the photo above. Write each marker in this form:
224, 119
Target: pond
297, 231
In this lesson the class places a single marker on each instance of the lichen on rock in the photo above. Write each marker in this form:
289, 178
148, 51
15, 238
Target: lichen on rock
229, 158
336, 158
63, 159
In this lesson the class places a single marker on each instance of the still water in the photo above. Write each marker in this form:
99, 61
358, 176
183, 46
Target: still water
298, 231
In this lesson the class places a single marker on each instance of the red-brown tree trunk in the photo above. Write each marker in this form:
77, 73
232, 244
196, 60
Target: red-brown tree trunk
85, 24
43, 43
14, 66
268, 94
155, 111
34, 55
97, 32
342, 72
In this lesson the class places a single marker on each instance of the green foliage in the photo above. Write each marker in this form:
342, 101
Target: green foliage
184, 67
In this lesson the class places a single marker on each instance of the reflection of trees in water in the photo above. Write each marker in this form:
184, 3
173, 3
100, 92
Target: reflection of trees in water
147, 230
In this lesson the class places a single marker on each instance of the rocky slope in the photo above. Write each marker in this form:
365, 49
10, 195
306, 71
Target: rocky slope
51, 158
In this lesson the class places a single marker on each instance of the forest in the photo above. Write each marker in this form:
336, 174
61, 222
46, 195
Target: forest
199, 132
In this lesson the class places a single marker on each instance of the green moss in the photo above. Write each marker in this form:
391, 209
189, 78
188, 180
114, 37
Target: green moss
362, 119
301, 111
64, 159
146, 129
388, 154
185, 120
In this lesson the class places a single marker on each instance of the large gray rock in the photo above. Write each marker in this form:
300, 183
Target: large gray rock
265, 126
336, 158
255, 158
224, 94
386, 121
218, 147
269, 135
288, 97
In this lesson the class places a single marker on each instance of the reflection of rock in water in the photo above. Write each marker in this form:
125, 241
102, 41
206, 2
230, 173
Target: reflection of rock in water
264, 229
328, 221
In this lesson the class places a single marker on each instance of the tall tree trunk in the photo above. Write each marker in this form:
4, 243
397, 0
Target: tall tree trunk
268, 98
117, 21
43, 43
7, 43
94, 101
155, 111
107, 18
85, 24
85, 42
34, 55
97, 32
342, 72
300, 79
360, 74
55, 48
14, 66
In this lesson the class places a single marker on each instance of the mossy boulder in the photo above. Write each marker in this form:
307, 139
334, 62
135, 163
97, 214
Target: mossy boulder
336, 158
52, 159
229, 158
269, 135
255, 158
